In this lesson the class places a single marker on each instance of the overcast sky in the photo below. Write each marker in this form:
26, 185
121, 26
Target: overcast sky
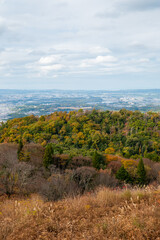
80, 44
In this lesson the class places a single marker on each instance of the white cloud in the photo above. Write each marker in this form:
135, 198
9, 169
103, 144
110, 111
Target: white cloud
104, 59
98, 61
2, 62
63, 38
55, 67
55, 76
99, 49
49, 59
143, 60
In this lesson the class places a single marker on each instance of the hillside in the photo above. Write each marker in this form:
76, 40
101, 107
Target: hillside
80, 175
105, 214
66, 154
126, 133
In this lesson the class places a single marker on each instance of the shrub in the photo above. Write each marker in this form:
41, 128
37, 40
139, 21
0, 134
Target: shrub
110, 150
155, 172
79, 161
153, 156
110, 157
8, 181
84, 177
30, 178
61, 161
131, 167
24, 156
59, 186
114, 166
105, 178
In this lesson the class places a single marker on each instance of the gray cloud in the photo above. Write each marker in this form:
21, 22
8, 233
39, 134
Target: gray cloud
3, 26
139, 5
121, 7
61, 41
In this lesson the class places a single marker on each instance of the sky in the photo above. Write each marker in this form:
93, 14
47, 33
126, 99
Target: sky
80, 44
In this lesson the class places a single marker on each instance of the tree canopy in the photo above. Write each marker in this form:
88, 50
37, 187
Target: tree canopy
130, 134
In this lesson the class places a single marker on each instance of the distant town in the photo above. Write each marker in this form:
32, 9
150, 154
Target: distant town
20, 103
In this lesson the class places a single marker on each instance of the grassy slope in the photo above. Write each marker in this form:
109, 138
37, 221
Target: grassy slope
105, 214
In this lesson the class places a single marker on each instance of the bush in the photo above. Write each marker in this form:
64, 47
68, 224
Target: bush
79, 161
61, 161
110, 157
110, 150
131, 167
105, 178
114, 166
8, 181
153, 156
59, 186
155, 172
30, 178
84, 177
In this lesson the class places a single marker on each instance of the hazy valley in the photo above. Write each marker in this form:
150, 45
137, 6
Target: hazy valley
19, 103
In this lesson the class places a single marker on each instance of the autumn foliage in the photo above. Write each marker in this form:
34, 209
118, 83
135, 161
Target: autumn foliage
124, 133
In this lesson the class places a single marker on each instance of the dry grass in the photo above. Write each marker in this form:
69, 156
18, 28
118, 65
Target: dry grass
105, 214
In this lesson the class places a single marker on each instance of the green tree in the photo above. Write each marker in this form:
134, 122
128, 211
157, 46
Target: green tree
19, 151
141, 172
123, 175
49, 151
98, 160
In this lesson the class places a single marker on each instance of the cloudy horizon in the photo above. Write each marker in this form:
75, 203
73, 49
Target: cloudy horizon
68, 44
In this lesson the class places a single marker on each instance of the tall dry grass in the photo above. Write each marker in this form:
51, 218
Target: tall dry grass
104, 214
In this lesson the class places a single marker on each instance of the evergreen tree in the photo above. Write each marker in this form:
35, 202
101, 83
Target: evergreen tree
123, 175
141, 172
98, 160
47, 159
19, 151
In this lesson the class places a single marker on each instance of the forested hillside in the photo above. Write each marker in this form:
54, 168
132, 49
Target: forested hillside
103, 166
70, 153
125, 133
